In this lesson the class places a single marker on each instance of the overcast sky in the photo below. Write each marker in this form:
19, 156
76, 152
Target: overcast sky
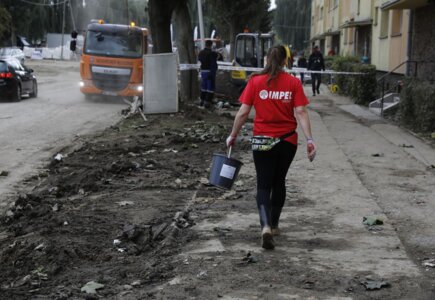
272, 4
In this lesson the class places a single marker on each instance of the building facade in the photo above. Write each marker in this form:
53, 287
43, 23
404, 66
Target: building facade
386, 33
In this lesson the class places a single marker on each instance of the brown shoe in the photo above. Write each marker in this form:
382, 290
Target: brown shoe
275, 231
268, 242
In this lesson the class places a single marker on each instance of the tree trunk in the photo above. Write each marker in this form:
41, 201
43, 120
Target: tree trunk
160, 12
189, 88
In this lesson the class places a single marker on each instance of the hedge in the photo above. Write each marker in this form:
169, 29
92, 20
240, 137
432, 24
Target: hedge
362, 89
417, 105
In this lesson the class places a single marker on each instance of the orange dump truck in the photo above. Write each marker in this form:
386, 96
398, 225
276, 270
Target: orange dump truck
112, 60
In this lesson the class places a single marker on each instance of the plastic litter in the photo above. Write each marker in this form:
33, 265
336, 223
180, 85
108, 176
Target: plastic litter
91, 287
59, 157
429, 263
372, 220
375, 284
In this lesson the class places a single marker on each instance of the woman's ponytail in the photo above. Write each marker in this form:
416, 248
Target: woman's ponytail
276, 57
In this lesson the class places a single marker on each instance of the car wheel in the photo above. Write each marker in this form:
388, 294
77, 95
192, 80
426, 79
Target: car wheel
17, 96
34, 92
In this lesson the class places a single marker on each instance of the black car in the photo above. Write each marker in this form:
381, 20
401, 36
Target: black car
16, 80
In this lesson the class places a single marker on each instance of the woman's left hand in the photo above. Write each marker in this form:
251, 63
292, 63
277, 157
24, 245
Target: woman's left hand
311, 150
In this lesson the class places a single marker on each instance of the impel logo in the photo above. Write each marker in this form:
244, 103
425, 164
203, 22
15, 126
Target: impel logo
263, 94
276, 95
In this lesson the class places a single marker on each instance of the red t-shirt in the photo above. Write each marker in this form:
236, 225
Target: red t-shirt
274, 105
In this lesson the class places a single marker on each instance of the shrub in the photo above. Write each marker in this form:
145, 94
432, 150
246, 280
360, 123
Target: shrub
417, 105
360, 88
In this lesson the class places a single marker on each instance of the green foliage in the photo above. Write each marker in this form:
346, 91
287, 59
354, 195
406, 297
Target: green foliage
417, 105
231, 17
362, 89
291, 22
33, 19
5, 19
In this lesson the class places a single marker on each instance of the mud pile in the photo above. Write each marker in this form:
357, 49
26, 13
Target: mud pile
105, 212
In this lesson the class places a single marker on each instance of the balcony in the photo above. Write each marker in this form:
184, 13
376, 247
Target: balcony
404, 4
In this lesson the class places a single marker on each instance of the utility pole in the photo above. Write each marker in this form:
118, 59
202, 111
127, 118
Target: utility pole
201, 25
63, 30
72, 15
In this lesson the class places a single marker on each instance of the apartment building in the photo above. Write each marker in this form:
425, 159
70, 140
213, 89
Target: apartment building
377, 31
421, 35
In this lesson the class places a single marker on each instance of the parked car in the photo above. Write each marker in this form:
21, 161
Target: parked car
12, 52
16, 80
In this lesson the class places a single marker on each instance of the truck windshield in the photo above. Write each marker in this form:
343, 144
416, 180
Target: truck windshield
121, 44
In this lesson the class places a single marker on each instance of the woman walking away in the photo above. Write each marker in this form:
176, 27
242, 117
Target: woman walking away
279, 102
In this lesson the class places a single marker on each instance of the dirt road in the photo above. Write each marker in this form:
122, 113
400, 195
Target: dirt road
131, 210
32, 129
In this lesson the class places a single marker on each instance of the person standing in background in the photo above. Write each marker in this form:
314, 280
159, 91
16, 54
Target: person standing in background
316, 63
302, 63
208, 59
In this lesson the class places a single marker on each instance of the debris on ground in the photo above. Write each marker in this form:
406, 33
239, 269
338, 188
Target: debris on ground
91, 287
372, 221
429, 263
58, 157
248, 259
406, 146
125, 203
4, 173
378, 155
371, 284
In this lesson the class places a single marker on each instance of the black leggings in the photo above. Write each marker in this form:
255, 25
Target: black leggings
272, 167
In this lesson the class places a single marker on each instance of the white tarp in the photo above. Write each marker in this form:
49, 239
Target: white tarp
160, 82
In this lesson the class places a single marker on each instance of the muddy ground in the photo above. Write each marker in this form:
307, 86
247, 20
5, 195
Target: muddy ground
129, 183
130, 208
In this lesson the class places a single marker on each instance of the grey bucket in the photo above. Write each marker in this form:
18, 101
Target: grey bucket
224, 170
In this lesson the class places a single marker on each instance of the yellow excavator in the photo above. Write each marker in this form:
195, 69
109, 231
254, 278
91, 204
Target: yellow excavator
250, 50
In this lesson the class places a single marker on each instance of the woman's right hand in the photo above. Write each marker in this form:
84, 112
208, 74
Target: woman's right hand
311, 150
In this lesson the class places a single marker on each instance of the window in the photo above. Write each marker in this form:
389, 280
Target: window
3, 67
351, 35
396, 23
246, 52
321, 13
376, 16
385, 19
116, 43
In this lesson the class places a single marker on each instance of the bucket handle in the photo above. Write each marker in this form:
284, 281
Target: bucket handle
229, 151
